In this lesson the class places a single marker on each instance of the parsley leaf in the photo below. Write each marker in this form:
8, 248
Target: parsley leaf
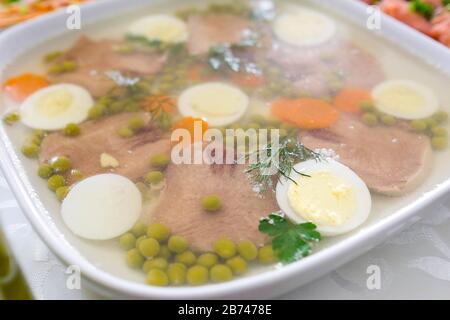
290, 241
423, 8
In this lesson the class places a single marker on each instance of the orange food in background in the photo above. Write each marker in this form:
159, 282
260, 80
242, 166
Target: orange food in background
248, 80
190, 123
22, 86
349, 100
305, 113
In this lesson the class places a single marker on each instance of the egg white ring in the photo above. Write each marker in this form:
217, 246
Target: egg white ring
77, 112
321, 37
428, 110
185, 109
137, 28
86, 212
361, 194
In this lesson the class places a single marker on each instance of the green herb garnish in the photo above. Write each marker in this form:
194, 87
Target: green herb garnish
425, 9
281, 159
291, 242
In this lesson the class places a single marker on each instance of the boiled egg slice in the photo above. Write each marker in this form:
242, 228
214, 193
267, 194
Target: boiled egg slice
405, 99
102, 207
303, 27
217, 103
160, 27
331, 196
55, 106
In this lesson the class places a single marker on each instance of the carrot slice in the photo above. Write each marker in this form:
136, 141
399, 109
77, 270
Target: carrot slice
305, 113
22, 86
191, 125
349, 100
248, 80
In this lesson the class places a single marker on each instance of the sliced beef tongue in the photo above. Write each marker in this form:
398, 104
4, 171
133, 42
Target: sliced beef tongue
206, 31
312, 69
180, 204
390, 160
94, 58
100, 136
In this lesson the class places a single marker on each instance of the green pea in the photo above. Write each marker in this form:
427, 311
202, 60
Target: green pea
419, 125
149, 247
440, 116
247, 250
177, 244
135, 259
220, 273
211, 203
254, 125
51, 56
225, 248
158, 231
367, 106
96, 111
56, 69
164, 252
238, 265
157, 277
431, 123
154, 177
259, 119
60, 164
439, 132
197, 275
207, 260
139, 229
266, 255
45, 171
155, 263
388, 120
139, 240
370, 119
127, 241
439, 143
187, 257
125, 132
160, 161
136, 123
55, 182
116, 107
72, 130
68, 65
30, 150
11, 118
62, 192
177, 273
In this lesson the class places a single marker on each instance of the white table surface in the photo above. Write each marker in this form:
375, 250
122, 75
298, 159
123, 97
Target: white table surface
413, 265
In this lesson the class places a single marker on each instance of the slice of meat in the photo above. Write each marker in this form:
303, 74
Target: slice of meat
100, 136
212, 29
94, 58
441, 28
310, 69
238, 219
390, 160
400, 10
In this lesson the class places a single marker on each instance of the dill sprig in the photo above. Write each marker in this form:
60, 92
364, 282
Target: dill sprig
277, 161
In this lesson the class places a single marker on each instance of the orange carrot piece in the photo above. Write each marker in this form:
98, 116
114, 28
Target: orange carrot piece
349, 100
305, 113
25, 84
190, 124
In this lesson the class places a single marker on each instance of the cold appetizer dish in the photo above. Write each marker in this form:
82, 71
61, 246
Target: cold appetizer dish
105, 123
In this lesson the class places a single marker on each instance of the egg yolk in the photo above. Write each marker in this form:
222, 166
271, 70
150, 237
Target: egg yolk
403, 99
323, 198
54, 103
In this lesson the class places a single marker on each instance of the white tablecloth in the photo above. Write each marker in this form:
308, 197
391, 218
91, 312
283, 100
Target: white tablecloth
413, 265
